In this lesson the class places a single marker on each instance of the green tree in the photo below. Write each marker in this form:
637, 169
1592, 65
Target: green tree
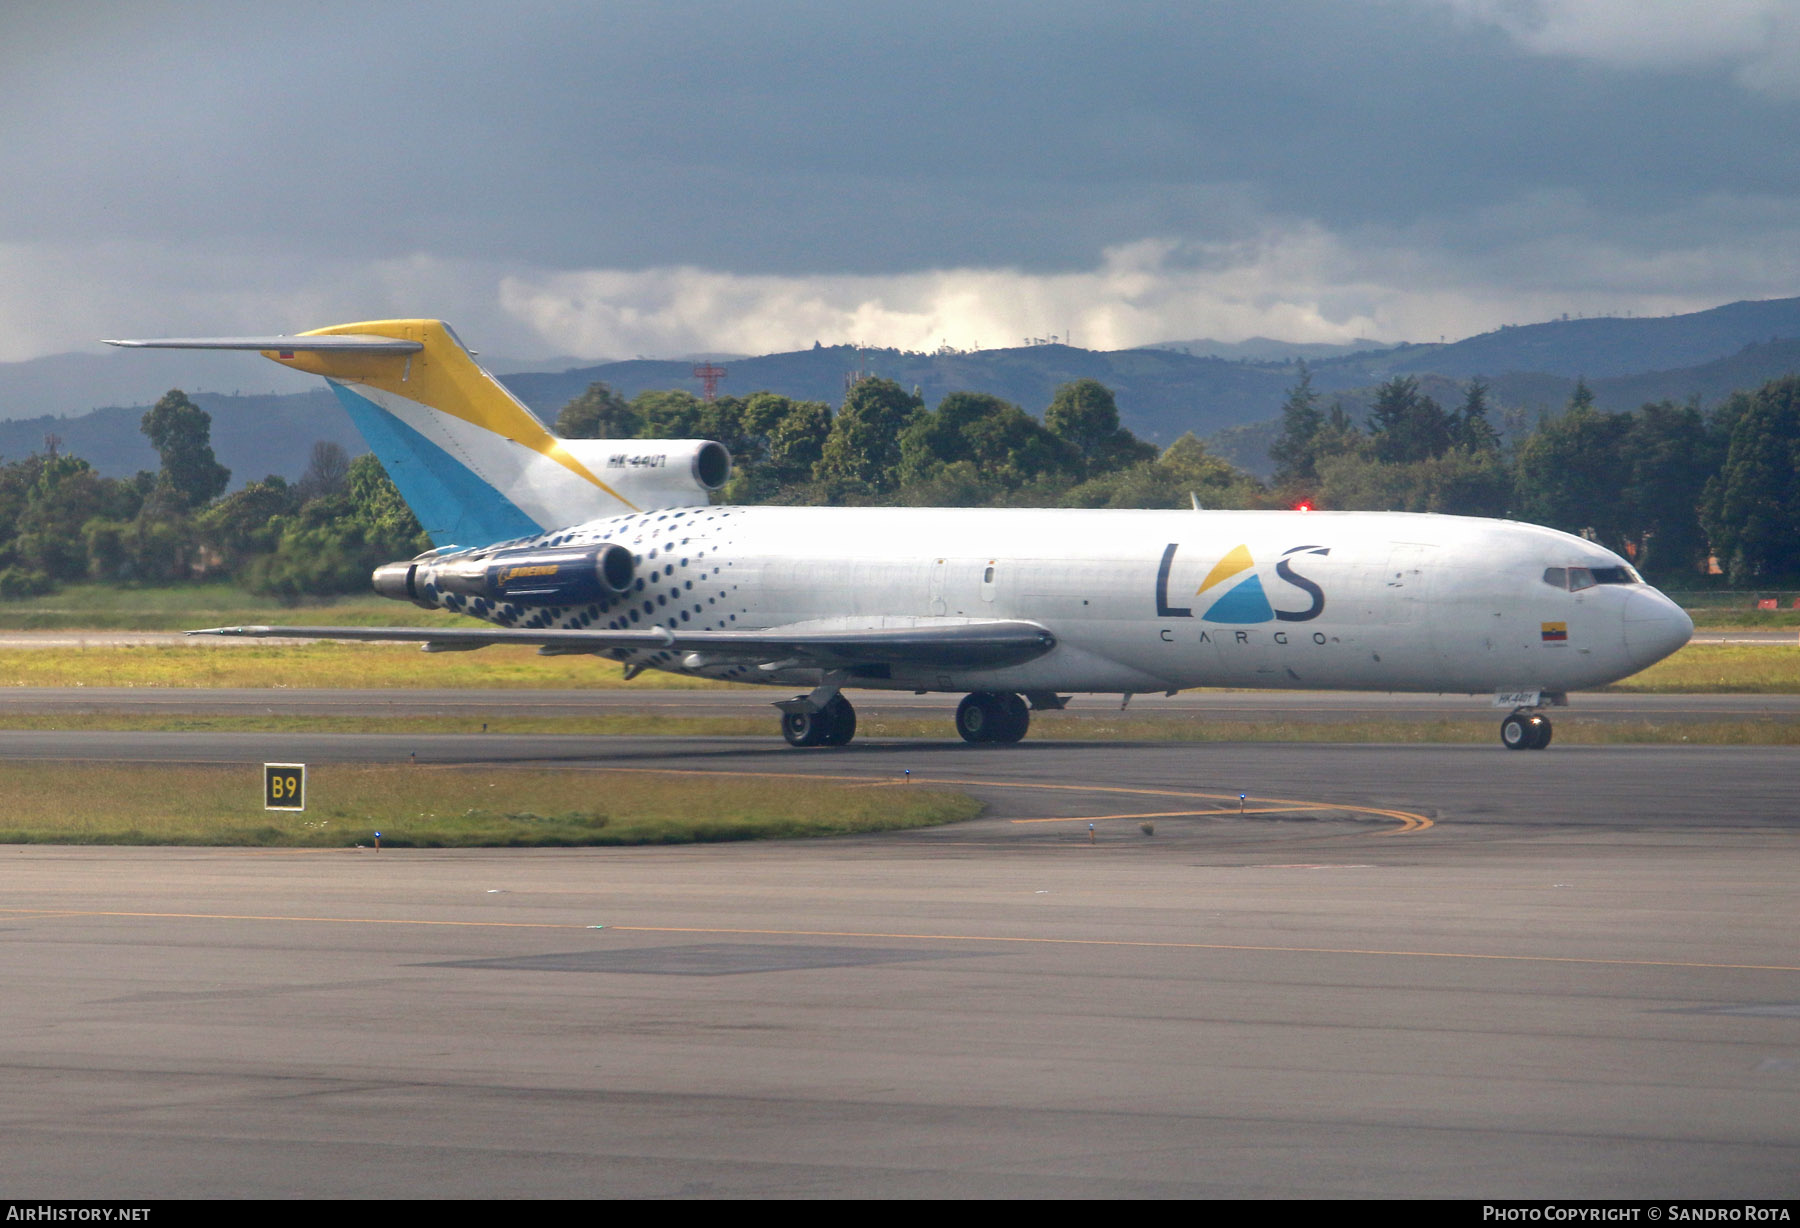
957, 484
861, 457
722, 421
181, 433
779, 442
1751, 507
1405, 425
1471, 429
1459, 482
1339, 436
1003, 443
763, 412
240, 527
323, 549
598, 413
327, 467
1572, 472
50, 499
1295, 450
1084, 416
1184, 472
376, 504
668, 413
797, 442
59, 499
1670, 454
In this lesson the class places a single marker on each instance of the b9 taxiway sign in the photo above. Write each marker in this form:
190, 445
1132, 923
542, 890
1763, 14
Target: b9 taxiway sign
284, 786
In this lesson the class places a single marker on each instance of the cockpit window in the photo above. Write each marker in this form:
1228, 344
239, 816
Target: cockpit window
1575, 579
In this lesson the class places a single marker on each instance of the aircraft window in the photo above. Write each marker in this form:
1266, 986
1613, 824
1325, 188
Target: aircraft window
1556, 577
1617, 575
1580, 578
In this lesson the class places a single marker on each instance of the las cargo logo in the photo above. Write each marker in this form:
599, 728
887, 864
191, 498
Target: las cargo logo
1234, 597
1555, 633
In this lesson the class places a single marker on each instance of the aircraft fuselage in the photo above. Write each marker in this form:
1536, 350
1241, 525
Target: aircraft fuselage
1138, 600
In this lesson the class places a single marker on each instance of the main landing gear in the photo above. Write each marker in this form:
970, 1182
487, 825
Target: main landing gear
832, 725
992, 716
1525, 730
985, 716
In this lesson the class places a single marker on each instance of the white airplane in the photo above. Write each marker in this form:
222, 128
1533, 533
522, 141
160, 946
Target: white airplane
613, 548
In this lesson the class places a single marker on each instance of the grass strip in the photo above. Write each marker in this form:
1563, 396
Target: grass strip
332, 666
1697, 669
1720, 669
113, 607
422, 807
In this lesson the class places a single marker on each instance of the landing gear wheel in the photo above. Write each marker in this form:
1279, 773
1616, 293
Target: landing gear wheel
1015, 719
992, 716
840, 719
804, 728
978, 716
832, 725
1525, 731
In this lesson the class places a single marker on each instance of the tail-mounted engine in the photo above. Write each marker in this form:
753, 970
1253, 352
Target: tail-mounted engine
523, 577
655, 473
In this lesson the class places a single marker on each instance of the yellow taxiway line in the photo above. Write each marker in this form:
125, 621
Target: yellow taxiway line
1407, 820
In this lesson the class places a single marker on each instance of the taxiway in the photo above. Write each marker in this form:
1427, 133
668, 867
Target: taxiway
1401, 971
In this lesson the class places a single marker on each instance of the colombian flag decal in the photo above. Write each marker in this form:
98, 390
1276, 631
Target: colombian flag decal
1555, 633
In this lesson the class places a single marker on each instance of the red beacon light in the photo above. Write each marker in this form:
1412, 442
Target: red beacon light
1303, 506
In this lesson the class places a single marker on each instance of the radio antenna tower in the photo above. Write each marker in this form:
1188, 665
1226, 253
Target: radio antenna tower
709, 376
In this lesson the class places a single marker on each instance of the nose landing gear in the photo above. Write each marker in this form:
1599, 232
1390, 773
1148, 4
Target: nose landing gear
1525, 730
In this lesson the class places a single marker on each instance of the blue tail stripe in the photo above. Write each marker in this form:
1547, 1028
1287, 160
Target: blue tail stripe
455, 506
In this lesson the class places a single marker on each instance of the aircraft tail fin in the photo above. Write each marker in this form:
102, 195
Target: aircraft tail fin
474, 464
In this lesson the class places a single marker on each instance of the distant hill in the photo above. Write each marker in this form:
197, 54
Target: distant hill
1709, 383
1161, 392
1598, 348
251, 436
62, 384
1542, 395
1267, 349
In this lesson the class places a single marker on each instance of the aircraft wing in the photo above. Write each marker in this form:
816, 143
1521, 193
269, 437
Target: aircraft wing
944, 644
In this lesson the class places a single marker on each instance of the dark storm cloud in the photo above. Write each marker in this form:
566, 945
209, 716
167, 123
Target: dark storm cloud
827, 139
807, 138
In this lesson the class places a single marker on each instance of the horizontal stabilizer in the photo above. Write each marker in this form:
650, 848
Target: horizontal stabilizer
948, 645
339, 343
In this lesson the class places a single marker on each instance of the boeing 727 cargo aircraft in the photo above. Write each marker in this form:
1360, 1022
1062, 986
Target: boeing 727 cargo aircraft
613, 548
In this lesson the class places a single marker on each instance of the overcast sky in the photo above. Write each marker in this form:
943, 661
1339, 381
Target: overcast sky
605, 180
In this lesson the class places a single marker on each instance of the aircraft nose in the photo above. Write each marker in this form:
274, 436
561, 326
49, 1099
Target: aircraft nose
1654, 627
